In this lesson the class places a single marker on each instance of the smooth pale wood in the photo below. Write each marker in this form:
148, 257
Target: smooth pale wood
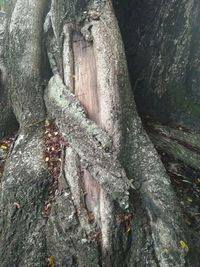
86, 89
91, 195
85, 76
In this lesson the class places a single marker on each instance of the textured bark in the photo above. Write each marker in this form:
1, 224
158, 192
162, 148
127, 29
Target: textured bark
24, 188
162, 44
7, 119
24, 61
97, 217
182, 145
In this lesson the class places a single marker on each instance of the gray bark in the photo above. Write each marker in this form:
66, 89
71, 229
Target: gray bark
182, 145
7, 119
134, 225
24, 188
162, 46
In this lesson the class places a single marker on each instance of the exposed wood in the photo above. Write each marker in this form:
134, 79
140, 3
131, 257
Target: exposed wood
130, 227
85, 76
130, 142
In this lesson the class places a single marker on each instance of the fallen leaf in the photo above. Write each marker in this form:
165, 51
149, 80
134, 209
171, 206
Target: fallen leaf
51, 261
3, 147
128, 230
47, 123
17, 205
184, 245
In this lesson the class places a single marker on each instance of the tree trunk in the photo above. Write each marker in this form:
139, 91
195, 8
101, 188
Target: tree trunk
83, 184
7, 120
162, 46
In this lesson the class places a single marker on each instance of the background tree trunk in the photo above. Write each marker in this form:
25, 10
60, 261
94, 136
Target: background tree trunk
7, 120
161, 42
88, 189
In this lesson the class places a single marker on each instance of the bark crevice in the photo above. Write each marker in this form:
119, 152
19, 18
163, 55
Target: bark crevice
138, 227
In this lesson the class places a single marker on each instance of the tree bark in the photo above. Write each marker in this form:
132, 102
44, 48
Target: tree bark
162, 47
112, 203
7, 119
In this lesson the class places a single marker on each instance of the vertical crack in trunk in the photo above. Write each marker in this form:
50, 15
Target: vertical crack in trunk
85, 76
101, 83
86, 90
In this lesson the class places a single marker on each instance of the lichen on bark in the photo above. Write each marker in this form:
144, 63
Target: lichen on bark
145, 234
